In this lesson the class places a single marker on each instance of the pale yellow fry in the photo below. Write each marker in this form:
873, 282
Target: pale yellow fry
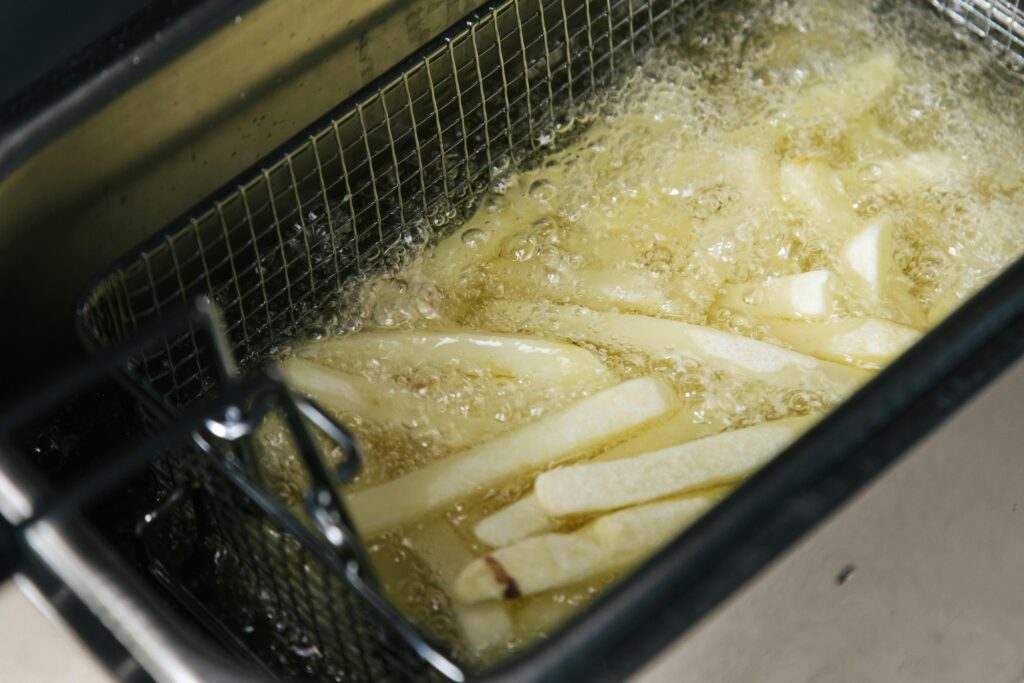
675, 341
868, 262
607, 544
480, 239
503, 355
908, 173
573, 432
852, 92
864, 342
812, 186
540, 616
804, 296
593, 487
486, 628
526, 517
345, 393
516, 521
622, 289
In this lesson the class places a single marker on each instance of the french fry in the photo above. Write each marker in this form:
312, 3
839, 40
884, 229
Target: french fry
575, 431
593, 487
945, 304
867, 260
675, 341
540, 616
486, 628
816, 189
619, 289
804, 296
503, 355
911, 172
516, 521
479, 240
526, 517
607, 544
754, 175
851, 93
344, 393
868, 257
863, 342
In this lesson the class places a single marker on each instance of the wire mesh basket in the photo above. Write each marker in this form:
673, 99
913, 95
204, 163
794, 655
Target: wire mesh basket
345, 198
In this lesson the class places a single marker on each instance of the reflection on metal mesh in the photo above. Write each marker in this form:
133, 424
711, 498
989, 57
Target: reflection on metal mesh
998, 22
346, 196
343, 200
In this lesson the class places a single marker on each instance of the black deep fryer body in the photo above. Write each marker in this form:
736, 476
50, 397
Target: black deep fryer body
100, 591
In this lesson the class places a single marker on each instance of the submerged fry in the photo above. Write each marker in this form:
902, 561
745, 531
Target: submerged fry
526, 517
345, 394
549, 561
503, 355
865, 342
591, 487
573, 432
486, 627
868, 262
804, 296
675, 341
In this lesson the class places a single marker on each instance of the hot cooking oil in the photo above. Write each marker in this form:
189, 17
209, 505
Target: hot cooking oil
762, 144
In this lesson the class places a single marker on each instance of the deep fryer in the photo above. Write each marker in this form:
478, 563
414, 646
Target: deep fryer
419, 144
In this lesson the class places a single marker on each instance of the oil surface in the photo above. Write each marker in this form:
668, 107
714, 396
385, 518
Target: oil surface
670, 188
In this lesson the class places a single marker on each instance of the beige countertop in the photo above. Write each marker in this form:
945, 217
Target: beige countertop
36, 648
915, 580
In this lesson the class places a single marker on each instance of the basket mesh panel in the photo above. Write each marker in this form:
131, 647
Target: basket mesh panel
345, 199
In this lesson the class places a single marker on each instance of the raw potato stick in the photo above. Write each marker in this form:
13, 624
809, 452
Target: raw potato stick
592, 487
573, 432
868, 262
804, 296
504, 355
485, 628
676, 341
864, 342
344, 393
526, 517
609, 543
540, 616
852, 92
816, 189
514, 522
625, 289
908, 173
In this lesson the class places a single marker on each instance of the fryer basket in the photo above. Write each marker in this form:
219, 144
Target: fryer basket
348, 197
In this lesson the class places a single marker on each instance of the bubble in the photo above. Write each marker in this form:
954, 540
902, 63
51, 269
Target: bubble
564, 123
543, 189
649, 191
870, 173
474, 238
519, 247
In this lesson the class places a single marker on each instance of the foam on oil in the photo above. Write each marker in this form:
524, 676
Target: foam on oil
658, 199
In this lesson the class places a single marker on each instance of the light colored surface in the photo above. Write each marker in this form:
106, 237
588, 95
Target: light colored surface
33, 649
937, 547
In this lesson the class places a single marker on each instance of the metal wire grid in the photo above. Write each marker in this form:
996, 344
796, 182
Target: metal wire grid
352, 194
300, 617
998, 22
346, 199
